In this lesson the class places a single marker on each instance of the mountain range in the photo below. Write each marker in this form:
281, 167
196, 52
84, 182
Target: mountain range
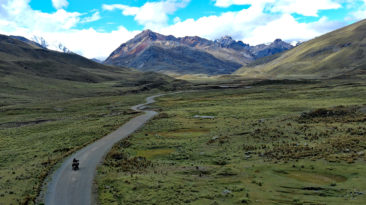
336, 54
150, 51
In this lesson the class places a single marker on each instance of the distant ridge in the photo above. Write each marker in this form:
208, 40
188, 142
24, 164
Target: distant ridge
150, 51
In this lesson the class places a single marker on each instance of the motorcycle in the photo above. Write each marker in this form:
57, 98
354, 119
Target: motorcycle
75, 165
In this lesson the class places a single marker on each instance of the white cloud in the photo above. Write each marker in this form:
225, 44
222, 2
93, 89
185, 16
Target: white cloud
95, 17
285, 27
359, 10
252, 25
227, 3
19, 13
152, 15
59, 4
303, 7
89, 42
86, 42
18, 18
359, 14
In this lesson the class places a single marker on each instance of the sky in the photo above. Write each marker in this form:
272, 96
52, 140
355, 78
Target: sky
94, 28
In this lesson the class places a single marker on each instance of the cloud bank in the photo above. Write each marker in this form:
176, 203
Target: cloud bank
263, 21
152, 14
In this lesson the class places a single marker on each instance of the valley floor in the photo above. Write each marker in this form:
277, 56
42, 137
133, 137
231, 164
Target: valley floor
266, 144
37, 133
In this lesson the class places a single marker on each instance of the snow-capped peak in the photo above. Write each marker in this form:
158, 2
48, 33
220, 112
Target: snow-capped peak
56, 46
296, 43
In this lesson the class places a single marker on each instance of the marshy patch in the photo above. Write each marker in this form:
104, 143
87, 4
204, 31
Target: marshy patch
203, 122
313, 190
197, 170
184, 132
313, 177
335, 114
227, 172
25, 123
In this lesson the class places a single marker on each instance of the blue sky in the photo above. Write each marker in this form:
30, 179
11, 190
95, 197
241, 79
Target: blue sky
113, 19
94, 28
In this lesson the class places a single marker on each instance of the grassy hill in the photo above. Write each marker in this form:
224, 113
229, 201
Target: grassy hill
340, 53
19, 58
29, 70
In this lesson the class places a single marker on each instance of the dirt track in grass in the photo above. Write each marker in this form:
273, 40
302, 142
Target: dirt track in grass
76, 187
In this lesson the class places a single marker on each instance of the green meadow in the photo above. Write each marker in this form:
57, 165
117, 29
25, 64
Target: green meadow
41, 125
261, 144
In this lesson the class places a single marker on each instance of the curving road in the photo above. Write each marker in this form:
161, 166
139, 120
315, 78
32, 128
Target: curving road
69, 187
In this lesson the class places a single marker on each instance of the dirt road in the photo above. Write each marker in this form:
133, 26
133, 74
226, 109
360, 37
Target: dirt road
68, 187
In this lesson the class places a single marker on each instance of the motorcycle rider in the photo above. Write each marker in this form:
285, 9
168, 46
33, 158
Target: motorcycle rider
75, 164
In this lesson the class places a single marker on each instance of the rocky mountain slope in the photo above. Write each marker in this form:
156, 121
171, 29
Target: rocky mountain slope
263, 50
337, 54
189, 55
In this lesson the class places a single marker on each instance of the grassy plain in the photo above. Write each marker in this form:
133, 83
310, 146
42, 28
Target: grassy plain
267, 144
43, 122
